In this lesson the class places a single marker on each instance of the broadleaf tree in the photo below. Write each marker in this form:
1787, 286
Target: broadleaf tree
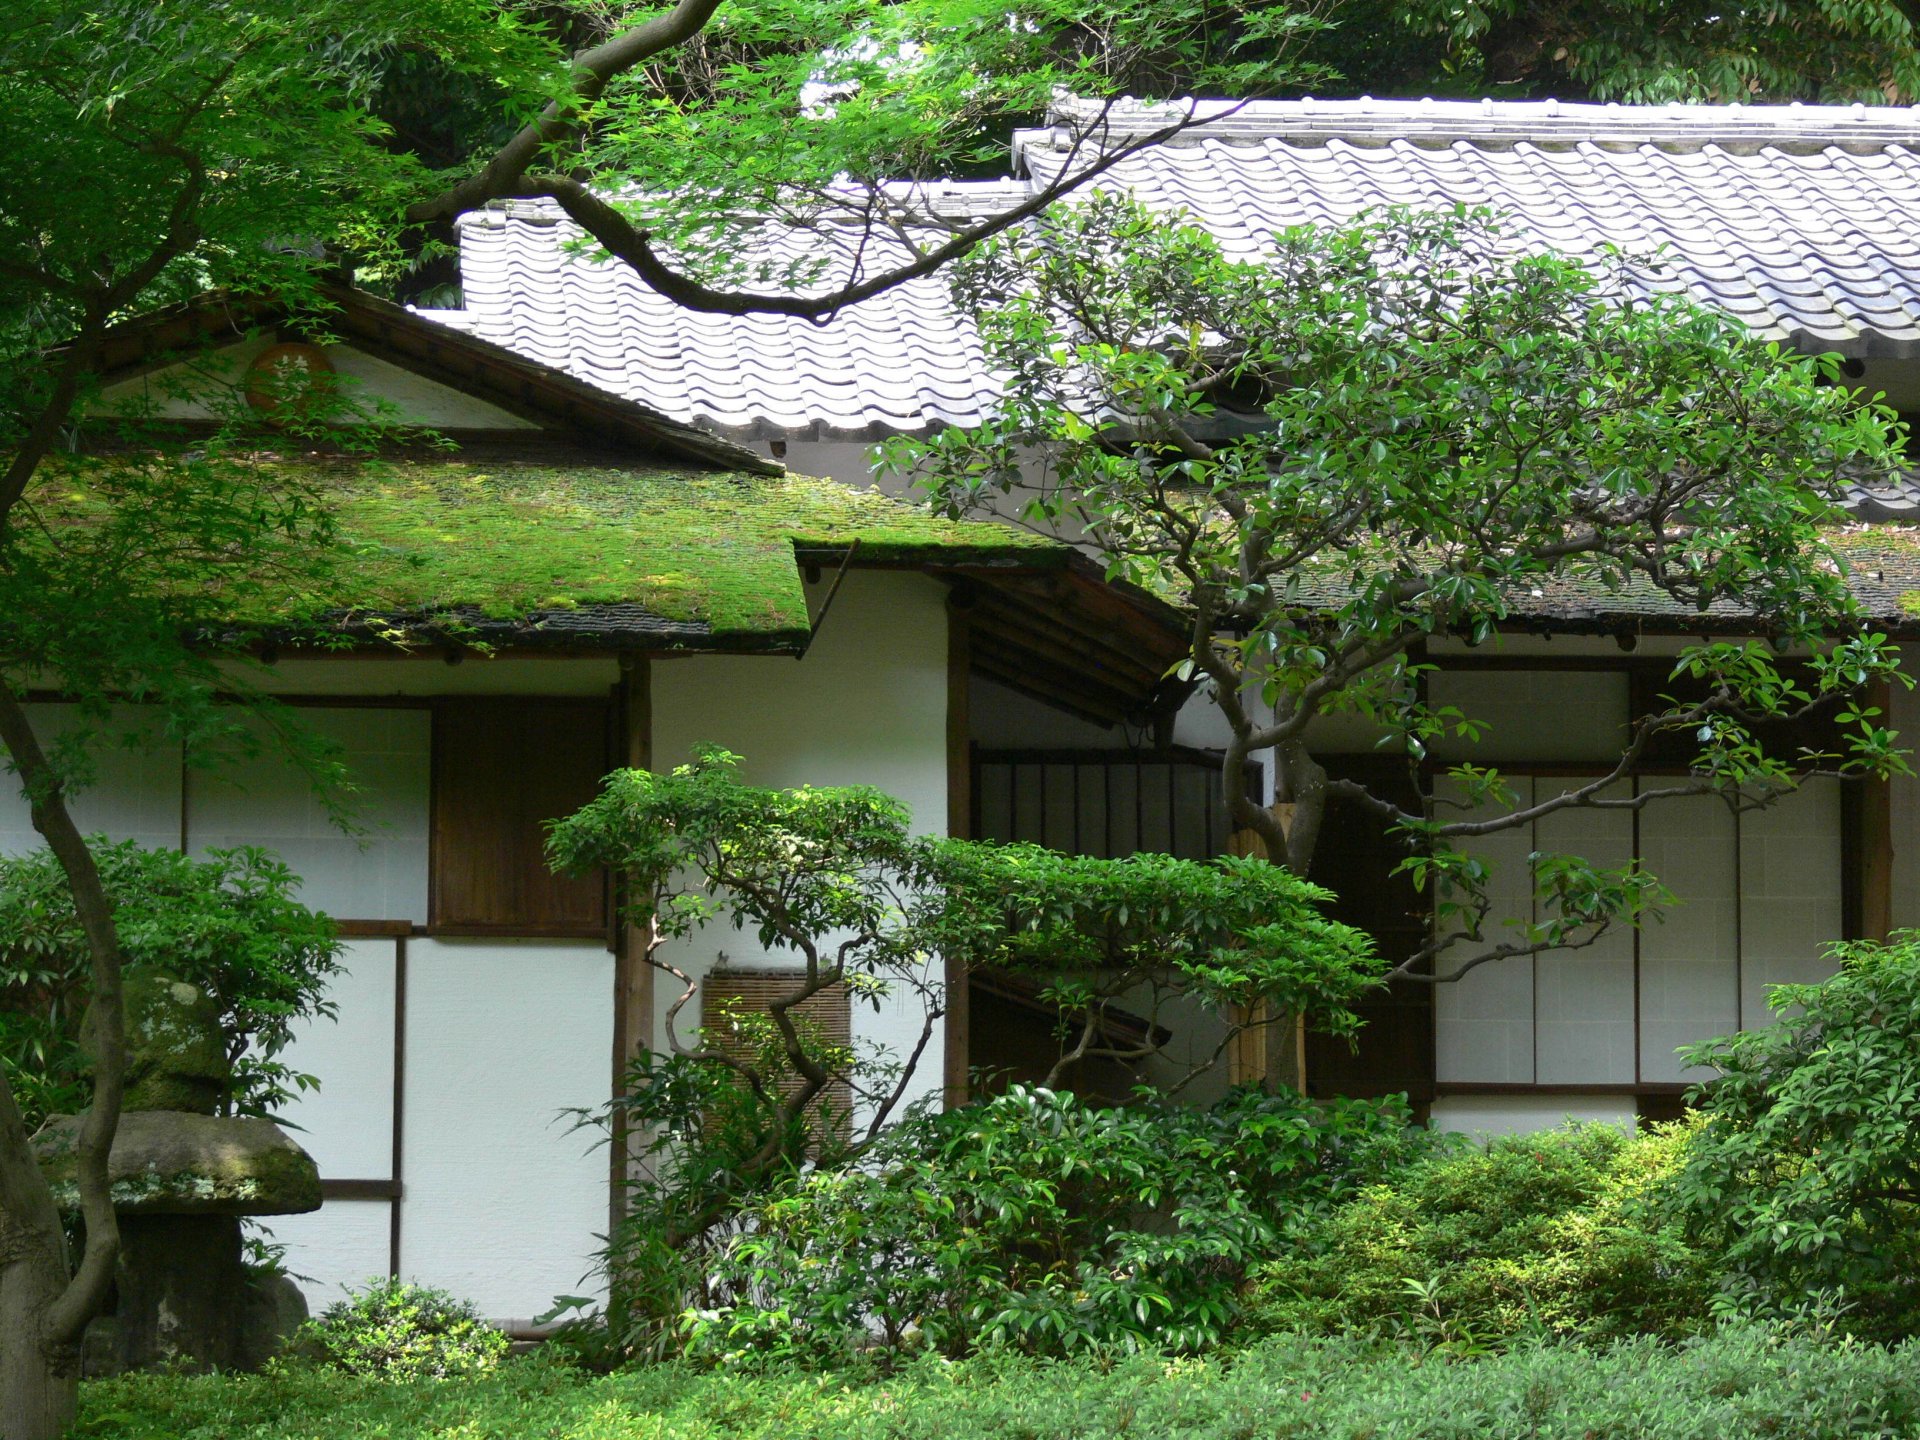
1363, 440
837, 894
156, 152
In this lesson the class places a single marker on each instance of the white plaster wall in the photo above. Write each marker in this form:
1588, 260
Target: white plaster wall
136, 790
340, 1246
1903, 715
192, 390
1489, 1115
848, 461
377, 874
347, 1125
502, 1199
867, 705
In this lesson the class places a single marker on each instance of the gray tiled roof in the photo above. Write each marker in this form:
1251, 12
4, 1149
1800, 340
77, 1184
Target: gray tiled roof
1803, 221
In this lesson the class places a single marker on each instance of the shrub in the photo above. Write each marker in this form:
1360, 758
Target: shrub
1738, 1383
1806, 1170
1037, 1223
1554, 1233
227, 923
401, 1331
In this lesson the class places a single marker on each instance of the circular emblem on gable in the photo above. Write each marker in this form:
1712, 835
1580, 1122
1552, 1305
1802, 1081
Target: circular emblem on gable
284, 378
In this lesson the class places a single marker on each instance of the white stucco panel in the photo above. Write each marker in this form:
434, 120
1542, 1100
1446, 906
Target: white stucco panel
866, 706
347, 1124
503, 1199
212, 384
338, 1247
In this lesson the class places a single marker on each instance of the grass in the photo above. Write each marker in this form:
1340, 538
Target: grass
1738, 1383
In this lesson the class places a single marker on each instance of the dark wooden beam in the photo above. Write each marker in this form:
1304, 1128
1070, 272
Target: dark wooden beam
957, 1037
632, 975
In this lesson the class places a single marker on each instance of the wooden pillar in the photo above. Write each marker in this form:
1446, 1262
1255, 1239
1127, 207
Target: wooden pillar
1274, 1053
1876, 845
632, 976
957, 1035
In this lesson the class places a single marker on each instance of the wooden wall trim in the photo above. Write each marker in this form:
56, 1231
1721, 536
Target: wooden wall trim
632, 976
1875, 842
957, 1032
397, 1165
361, 1190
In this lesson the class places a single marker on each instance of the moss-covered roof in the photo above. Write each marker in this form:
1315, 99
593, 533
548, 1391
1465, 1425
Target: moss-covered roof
708, 550
550, 553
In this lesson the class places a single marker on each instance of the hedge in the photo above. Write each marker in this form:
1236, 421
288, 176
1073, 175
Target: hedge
1743, 1382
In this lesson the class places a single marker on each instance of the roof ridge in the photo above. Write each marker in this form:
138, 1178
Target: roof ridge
1429, 121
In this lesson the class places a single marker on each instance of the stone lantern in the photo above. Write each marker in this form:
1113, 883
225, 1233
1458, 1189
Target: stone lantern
182, 1179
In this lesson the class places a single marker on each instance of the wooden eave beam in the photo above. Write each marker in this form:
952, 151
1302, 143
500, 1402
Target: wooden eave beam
1060, 627
1028, 654
1021, 683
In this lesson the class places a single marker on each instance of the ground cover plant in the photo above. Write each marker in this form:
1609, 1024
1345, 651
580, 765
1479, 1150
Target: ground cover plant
397, 1330
1559, 1233
1741, 1382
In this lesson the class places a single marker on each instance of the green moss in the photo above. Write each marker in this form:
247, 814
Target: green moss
716, 549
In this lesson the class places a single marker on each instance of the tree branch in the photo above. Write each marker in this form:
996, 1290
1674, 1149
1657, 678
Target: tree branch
633, 245
105, 1028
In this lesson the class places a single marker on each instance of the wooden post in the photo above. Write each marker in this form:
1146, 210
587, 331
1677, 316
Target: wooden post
1250, 1055
632, 975
1876, 844
957, 1036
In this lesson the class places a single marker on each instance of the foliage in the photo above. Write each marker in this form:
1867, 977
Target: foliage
401, 1331
1651, 51
1805, 1170
1234, 933
1034, 1222
1548, 1234
228, 924
1741, 1382
830, 882
1363, 439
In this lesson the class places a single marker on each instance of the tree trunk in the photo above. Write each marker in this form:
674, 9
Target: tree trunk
43, 1309
39, 1385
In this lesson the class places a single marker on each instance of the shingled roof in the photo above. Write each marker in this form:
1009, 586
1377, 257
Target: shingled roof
1803, 221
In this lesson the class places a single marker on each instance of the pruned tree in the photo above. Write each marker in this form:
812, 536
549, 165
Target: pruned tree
1360, 441
842, 899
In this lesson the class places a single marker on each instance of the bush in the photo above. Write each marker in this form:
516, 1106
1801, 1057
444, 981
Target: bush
227, 923
1034, 1222
1806, 1170
401, 1331
1744, 1382
1553, 1233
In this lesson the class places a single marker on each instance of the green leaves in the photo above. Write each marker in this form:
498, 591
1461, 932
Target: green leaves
1033, 1222
1229, 932
1345, 446
1806, 1169
228, 924
1653, 51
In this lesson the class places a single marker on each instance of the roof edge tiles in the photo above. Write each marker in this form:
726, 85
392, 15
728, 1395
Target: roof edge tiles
1493, 124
